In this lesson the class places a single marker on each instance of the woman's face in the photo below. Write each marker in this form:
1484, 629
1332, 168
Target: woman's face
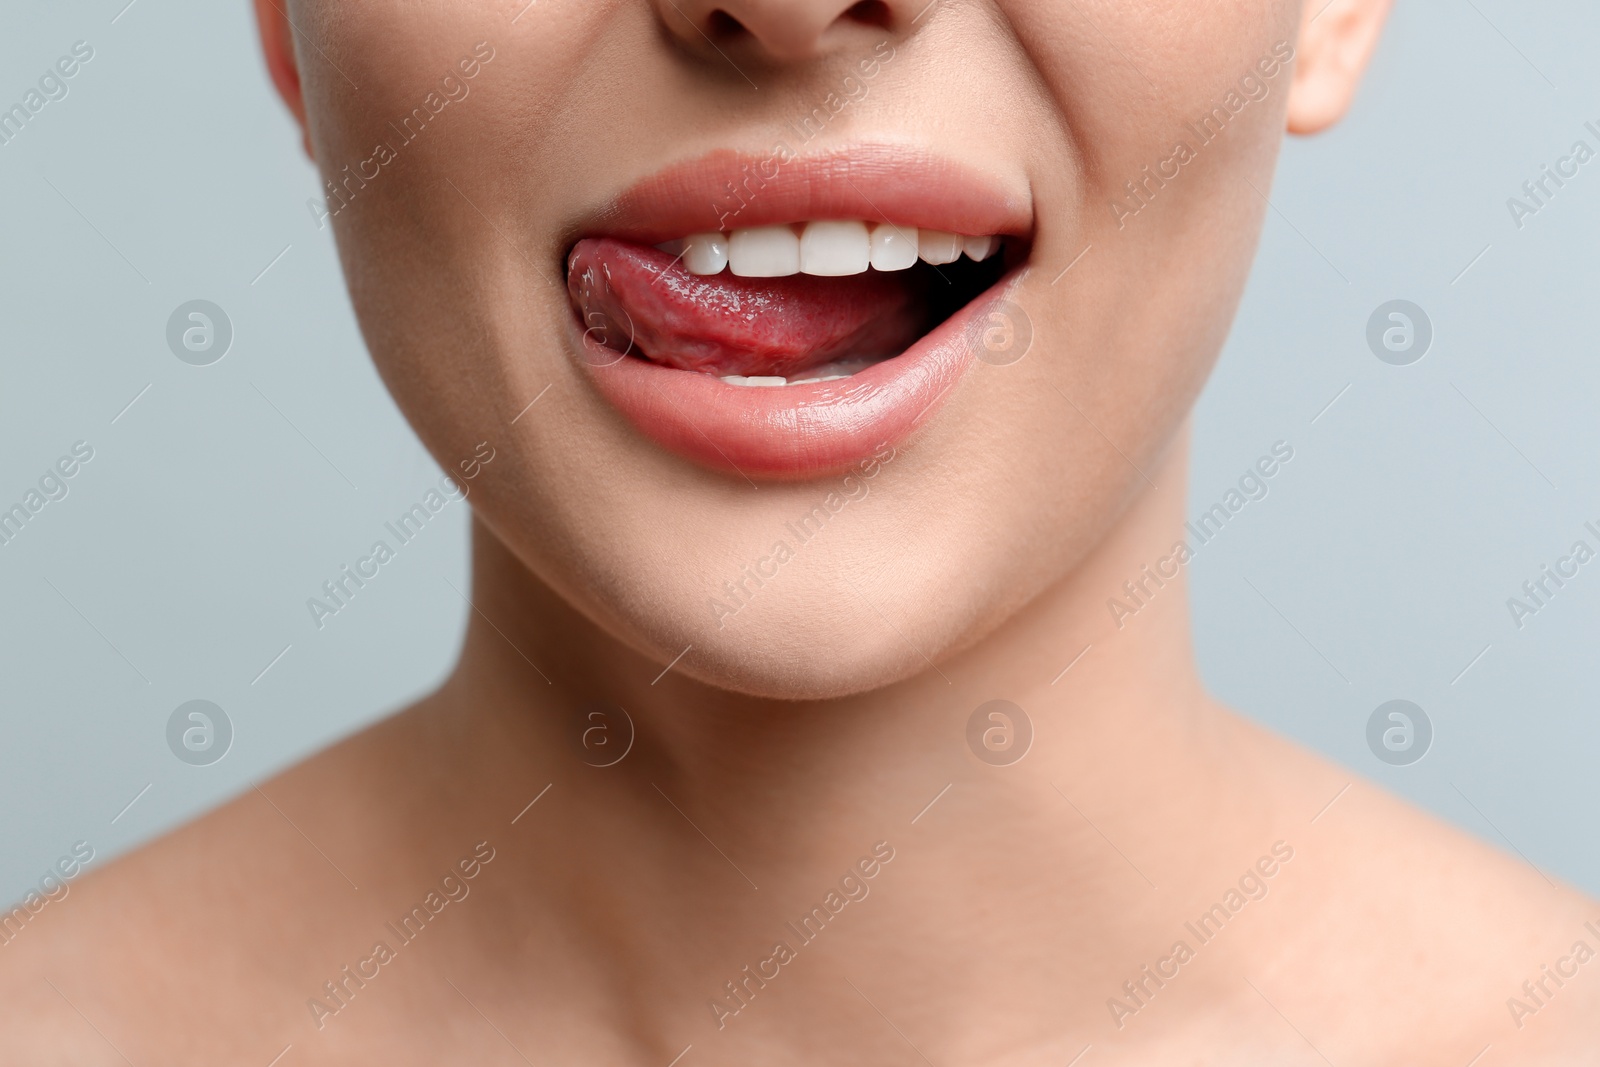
817, 539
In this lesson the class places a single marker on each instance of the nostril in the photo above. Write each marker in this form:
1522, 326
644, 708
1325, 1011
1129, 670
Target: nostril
722, 26
871, 13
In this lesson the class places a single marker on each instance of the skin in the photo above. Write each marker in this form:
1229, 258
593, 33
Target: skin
833, 708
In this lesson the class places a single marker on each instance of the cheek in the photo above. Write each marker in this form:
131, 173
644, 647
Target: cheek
1130, 363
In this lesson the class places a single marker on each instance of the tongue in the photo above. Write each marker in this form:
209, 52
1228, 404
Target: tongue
640, 299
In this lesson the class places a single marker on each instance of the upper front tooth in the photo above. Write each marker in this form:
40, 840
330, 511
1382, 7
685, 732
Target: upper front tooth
979, 249
826, 247
764, 252
936, 246
893, 247
833, 247
705, 253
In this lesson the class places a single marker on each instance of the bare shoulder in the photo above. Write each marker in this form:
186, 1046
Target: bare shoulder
186, 905
1394, 922
229, 919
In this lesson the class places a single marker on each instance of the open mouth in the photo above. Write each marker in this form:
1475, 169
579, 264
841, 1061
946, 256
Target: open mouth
778, 305
790, 348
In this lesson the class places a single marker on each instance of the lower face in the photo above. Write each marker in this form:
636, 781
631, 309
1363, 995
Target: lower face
838, 363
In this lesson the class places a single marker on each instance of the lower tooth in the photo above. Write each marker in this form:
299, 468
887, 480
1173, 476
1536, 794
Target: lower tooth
838, 370
759, 380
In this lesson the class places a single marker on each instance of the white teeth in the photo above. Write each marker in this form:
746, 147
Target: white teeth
763, 380
832, 248
936, 246
764, 252
893, 247
835, 371
825, 248
979, 249
705, 253
766, 381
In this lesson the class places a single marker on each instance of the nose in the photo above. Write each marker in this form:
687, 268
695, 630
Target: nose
782, 31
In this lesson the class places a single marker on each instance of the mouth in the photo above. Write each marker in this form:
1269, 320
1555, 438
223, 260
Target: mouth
826, 311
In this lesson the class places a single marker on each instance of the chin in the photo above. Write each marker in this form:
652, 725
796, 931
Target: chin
870, 601
775, 664
826, 638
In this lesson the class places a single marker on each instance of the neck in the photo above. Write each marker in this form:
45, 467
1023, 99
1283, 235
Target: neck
731, 816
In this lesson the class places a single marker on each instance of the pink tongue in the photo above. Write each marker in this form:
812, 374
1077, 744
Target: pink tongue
632, 295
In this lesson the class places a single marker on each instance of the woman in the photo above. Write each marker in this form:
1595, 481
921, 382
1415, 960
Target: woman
819, 376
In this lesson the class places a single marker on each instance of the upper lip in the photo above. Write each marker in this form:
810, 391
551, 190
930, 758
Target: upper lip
726, 190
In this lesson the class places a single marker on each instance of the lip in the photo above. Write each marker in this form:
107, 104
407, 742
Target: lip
800, 431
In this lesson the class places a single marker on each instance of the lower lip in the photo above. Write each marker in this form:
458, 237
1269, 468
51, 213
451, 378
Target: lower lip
792, 431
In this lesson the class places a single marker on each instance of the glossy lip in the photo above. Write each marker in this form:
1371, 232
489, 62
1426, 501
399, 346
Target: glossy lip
800, 431
873, 182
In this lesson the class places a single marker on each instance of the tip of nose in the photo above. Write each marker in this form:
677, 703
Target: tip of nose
791, 32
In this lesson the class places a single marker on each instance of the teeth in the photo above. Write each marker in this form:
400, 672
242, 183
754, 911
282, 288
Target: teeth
979, 249
825, 248
833, 248
705, 253
764, 252
828, 372
763, 380
936, 246
893, 247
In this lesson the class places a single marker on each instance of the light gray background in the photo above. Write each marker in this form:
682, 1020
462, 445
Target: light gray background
179, 565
